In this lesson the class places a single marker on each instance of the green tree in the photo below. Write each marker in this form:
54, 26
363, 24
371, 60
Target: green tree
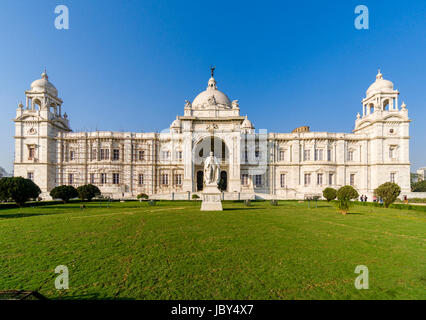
389, 192
18, 189
414, 177
195, 196
329, 194
142, 196
344, 196
88, 192
65, 193
419, 186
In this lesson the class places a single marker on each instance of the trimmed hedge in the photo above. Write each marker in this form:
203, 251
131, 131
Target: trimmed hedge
393, 206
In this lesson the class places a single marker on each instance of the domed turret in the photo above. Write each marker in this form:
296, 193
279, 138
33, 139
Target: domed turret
380, 86
176, 125
247, 124
44, 84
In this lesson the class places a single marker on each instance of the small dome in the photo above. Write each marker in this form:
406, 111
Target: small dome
247, 124
44, 84
176, 123
380, 85
212, 96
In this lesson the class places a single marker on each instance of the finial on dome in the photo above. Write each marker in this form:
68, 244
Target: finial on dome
212, 70
358, 116
403, 106
20, 105
379, 75
44, 74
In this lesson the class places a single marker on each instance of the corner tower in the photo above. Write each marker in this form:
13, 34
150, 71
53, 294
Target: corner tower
385, 125
36, 126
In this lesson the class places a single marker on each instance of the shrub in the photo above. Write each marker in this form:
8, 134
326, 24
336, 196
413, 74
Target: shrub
344, 196
151, 202
247, 202
18, 189
419, 186
142, 196
65, 193
389, 192
195, 196
88, 191
329, 194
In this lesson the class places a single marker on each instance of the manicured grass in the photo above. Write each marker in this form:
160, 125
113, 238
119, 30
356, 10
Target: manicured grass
174, 251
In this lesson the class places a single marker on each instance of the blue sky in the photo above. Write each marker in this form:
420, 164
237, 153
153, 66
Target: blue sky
130, 65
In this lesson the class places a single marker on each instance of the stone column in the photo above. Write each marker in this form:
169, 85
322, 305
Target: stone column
188, 166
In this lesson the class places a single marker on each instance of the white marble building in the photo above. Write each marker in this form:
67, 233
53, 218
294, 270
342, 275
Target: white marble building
169, 164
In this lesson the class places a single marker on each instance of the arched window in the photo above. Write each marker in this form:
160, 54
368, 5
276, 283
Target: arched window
385, 105
371, 107
36, 104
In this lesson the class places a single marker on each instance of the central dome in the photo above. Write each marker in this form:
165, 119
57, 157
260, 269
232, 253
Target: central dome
211, 96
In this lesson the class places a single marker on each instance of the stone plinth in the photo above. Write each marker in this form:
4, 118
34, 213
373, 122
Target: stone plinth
211, 199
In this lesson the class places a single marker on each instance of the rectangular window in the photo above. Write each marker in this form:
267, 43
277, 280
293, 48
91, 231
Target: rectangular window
140, 179
103, 178
178, 179
94, 154
165, 155
350, 155
179, 155
245, 156
116, 178
319, 154
392, 152
307, 179
257, 154
244, 179
258, 180
319, 179
104, 155
352, 179
164, 179
31, 153
72, 155
116, 154
330, 179
282, 180
30, 175
141, 155
392, 177
70, 178
92, 178
329, 155
307, 155
281, 156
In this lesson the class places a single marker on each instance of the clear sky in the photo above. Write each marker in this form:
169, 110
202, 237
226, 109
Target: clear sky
130, 65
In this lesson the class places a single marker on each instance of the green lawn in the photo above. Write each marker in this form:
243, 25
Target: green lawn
173, 251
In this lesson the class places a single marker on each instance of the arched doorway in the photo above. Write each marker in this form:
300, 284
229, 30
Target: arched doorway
201, 151
223, 182
200, 178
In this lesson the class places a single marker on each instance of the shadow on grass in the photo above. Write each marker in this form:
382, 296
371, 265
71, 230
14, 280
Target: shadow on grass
19, 215
92, 296
245, 208
26, 215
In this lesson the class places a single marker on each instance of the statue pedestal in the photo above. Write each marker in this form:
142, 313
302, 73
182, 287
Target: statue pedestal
211, 199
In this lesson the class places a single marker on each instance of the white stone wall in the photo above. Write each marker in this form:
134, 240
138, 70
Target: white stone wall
364, 153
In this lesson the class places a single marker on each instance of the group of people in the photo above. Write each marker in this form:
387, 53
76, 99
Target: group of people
363, 198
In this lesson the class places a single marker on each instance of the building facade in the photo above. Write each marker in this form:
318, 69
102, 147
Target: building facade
253, 163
